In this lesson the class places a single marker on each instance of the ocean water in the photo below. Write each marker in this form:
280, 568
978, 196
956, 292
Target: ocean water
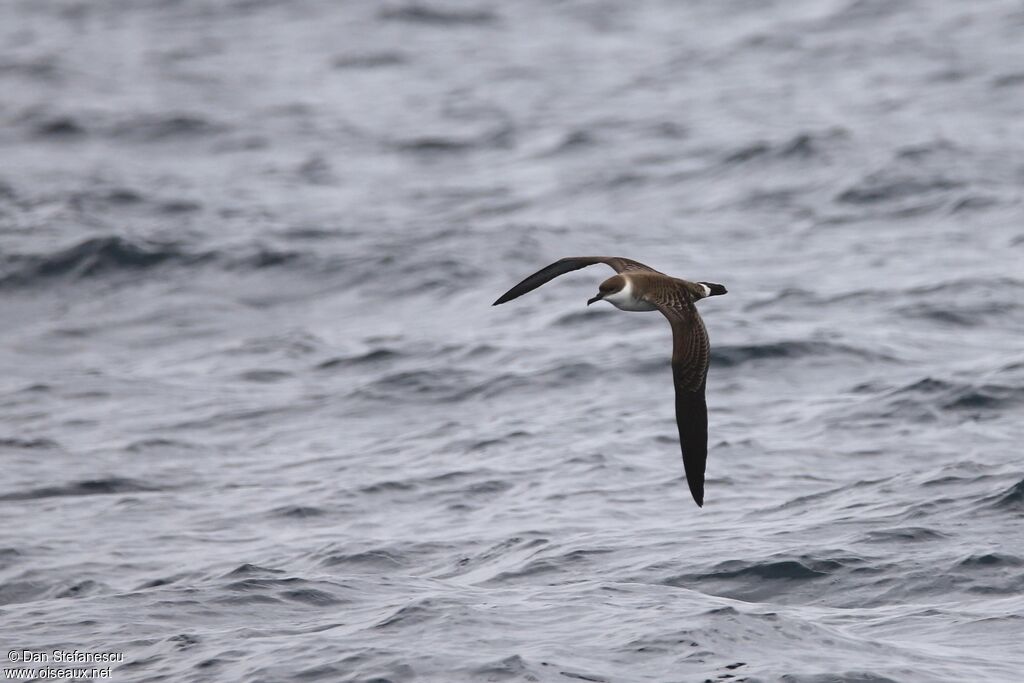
259, 421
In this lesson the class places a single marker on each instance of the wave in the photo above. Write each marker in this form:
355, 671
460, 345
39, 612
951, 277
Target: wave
369, 560
509, 668
448, 385
929, 400
408, 270
452, 384
43, 68
882, 187
139, 127
913, 173
1012, 499
803, 146
499, 137
772, 578
1008, 80
985, 397
369, 60
62, 126
578, 318
88, 487
14, 592
249, 569
104, 199
959, 300
95, 256
967, 314
570, 563
109, 255
522, 558
838, 677
371, 357
28, 444
726, 355
978, 285
572, 141
949, 395
857, 12
991, 560
418, 13
152, 127
906, 534
416, 612
974, 202
252, 584
9, 556
297, 512
263, 376
462, 487
802, 569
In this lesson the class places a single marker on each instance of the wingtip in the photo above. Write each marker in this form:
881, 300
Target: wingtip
698, 495
504, 298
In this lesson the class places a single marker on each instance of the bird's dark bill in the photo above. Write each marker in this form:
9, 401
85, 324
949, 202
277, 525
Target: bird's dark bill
716, 289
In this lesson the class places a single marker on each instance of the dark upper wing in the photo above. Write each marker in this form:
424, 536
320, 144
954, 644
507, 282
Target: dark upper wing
691, 352
566, 265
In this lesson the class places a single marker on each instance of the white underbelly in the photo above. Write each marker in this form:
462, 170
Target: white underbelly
633, 305
625, 301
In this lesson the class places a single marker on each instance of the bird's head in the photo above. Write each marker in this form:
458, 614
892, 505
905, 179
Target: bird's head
713, 289
609, 287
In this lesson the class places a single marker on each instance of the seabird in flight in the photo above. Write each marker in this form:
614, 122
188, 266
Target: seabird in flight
637, 287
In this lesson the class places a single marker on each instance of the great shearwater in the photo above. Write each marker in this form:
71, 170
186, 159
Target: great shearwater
637, 287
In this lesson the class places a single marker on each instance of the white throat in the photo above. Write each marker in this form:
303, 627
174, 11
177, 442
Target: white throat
625, 300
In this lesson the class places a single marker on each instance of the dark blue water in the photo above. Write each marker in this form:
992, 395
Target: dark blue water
259, 422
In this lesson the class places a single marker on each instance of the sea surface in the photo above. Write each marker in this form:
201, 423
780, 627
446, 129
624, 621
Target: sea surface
259, 421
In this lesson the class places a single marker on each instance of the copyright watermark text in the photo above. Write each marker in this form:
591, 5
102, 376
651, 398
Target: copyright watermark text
54, 665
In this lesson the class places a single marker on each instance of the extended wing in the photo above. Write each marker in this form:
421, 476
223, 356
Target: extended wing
567, 265
691, 353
